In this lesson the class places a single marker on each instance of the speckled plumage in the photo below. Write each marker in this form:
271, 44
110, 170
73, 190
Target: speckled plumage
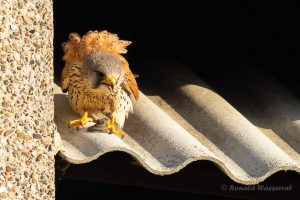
89, 58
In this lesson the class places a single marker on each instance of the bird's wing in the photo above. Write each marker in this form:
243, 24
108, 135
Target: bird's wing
72, 48
65, 79
70, 56
129, 79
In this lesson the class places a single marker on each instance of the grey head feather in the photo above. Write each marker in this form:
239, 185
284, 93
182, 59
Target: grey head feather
100, 65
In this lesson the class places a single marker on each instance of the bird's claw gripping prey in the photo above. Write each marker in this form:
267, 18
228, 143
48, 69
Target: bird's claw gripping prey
105, 125
79, 123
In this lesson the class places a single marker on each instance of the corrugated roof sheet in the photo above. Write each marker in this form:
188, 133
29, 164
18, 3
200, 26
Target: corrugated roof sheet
182, 119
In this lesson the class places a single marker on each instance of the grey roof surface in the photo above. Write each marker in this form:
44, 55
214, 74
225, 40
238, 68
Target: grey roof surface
182, 119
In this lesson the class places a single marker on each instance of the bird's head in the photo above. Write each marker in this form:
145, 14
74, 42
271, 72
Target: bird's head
102, 69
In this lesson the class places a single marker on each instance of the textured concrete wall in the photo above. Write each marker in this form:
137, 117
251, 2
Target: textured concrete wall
26, 100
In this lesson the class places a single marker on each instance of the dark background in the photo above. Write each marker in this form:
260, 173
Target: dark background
209, 37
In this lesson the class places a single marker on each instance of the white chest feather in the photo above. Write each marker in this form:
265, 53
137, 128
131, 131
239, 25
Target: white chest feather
122, 106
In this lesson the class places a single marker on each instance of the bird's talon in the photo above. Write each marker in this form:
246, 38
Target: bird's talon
80, 122
111, 127
119, 133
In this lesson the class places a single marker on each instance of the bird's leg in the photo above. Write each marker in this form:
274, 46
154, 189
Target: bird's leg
111, 126
82, 121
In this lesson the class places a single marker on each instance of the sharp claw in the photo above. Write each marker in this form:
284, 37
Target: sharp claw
111, 127
82, 121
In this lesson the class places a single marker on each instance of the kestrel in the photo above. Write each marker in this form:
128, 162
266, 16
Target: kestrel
98, 78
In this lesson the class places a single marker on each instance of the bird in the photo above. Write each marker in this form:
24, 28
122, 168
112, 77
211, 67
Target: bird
98, 79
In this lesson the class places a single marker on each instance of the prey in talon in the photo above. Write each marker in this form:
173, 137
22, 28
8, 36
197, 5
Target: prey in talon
98, 80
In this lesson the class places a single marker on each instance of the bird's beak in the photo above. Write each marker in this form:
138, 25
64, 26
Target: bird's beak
110, 80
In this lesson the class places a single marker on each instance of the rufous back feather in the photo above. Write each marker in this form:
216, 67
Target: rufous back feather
76, 48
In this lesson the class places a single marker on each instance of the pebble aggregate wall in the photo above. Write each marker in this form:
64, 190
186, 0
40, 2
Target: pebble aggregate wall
27, 129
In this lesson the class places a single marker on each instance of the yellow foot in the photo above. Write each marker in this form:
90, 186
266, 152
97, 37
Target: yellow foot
80, 122
111, 127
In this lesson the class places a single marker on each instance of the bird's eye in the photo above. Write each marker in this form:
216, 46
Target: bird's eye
100, 74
